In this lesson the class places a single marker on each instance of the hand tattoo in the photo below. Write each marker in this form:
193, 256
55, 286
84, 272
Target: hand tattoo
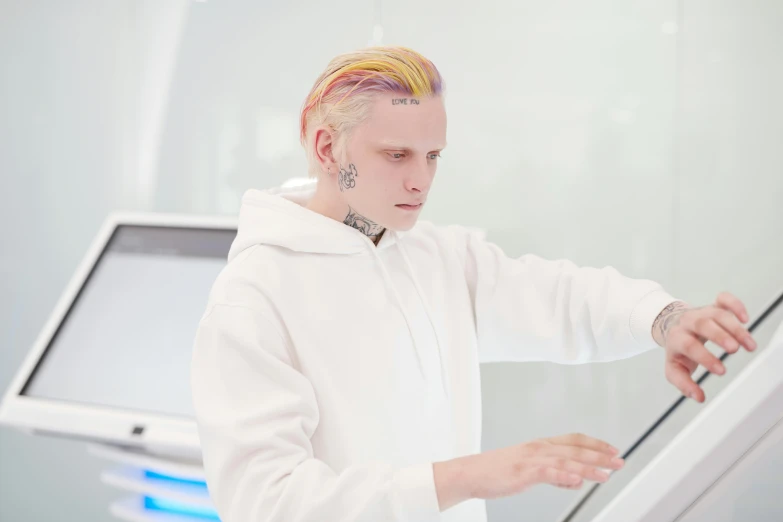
669, 317
367, 227
347, 178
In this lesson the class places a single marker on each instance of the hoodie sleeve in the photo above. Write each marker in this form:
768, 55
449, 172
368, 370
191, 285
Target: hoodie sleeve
256, 413
532, 309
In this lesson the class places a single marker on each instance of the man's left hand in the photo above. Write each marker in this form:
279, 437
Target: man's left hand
683, 330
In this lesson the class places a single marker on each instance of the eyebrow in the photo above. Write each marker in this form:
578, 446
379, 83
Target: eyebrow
399, 146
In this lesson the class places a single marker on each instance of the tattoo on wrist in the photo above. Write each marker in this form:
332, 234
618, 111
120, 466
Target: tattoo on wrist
405, 101
668, 318
347, 178
366, 226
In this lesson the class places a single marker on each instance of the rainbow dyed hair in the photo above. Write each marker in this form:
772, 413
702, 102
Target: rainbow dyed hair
342, 95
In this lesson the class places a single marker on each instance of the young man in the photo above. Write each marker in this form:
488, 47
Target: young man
335, 372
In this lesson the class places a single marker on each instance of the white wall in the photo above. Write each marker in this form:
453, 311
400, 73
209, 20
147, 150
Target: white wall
636, 134
66, 73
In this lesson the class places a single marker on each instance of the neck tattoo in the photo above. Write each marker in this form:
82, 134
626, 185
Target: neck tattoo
367, 227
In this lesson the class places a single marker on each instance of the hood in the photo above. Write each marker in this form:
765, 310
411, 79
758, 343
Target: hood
278, 217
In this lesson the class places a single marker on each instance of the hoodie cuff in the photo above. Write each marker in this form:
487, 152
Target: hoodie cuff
644, 314
417, 498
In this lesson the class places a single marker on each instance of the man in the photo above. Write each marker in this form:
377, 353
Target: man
335, 371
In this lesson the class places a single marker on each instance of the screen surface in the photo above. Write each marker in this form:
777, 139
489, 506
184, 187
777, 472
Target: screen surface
126, 340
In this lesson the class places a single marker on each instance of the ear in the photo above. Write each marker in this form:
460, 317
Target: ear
324, 144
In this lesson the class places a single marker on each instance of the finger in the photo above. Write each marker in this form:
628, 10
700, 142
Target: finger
709, 329
729, 322
577, 468
586, 456
730, 302
692, 348
583, 441
680, 377
555, 477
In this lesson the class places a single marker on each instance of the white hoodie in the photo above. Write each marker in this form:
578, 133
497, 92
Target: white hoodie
329, 374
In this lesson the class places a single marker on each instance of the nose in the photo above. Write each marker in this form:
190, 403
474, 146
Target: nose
419, 179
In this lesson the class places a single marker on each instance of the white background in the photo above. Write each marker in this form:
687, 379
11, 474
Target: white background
641, 134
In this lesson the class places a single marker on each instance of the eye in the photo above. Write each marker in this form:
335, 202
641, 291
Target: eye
397, 155
435, 155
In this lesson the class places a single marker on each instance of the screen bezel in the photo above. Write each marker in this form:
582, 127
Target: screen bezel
143, 429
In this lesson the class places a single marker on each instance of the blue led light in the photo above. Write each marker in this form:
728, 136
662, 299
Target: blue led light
178, 508
160, 477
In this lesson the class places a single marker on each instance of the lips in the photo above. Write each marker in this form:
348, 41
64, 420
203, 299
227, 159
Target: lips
410, 207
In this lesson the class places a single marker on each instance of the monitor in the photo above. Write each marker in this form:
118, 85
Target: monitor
112, 362
694, 459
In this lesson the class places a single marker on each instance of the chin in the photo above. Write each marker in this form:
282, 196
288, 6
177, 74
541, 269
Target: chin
403, 226
402, 220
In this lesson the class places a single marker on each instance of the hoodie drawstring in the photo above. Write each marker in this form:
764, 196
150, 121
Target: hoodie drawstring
427, 309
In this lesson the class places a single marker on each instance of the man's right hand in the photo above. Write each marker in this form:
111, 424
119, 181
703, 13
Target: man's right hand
563, 461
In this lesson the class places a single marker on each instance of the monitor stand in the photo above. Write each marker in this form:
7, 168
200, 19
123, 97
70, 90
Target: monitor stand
161, 488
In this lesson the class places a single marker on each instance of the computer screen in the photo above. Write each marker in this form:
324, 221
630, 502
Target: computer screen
665, 429
126, 340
